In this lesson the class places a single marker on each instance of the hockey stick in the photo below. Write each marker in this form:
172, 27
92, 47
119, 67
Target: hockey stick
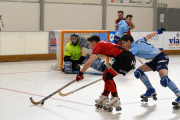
61, 94
139, 60
91, 73
42, 101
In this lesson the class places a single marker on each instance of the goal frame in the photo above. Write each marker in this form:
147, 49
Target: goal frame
79, 31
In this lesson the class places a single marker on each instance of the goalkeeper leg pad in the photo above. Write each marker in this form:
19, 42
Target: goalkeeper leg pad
97, 64
84, 43
68, 67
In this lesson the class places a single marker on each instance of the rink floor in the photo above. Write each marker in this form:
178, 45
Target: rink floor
21, 80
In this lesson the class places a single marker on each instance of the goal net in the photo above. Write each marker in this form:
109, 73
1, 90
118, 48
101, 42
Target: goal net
63, 37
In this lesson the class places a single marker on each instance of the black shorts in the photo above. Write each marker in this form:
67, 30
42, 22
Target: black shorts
159, 62
124, 63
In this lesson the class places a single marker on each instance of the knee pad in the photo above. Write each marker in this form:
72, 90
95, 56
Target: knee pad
68, 67
107, 76
164, 80
138, 73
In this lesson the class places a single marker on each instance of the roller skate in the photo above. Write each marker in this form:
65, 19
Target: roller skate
114, 102
149, 93
101, 101
176, 103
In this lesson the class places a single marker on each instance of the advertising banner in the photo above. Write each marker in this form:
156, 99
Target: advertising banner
171, 40
52, 42
144, 3
157, 40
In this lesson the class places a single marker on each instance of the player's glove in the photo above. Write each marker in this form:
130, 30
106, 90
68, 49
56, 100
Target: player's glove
79, 76
160, 30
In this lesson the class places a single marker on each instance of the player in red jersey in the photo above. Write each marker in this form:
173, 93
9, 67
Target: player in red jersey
125, 61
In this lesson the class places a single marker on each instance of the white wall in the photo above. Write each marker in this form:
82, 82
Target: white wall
142, 17
25, 15
19, 16
72, 17
21, 43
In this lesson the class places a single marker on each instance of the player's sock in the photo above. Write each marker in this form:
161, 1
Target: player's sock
112, 87
146, 81
106, 90
174, 88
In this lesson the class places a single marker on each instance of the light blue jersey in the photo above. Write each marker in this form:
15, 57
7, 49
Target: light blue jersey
143, 49
122, 28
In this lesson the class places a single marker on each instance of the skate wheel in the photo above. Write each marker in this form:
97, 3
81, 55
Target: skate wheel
146, 99
176, 108
104, 108
42, 103
109, 109
97, 106
118, 108
101, 106
154, 98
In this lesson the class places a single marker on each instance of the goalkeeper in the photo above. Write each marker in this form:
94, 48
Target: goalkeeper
73, 55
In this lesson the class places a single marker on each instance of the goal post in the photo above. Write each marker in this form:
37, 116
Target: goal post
63, 37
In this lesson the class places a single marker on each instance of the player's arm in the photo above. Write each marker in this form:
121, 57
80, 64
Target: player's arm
132, 27
151, 35
159, 31
126, 29
88, 63
115, 27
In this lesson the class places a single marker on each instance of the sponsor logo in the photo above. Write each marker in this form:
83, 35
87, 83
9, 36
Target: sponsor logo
121, 1
174, 41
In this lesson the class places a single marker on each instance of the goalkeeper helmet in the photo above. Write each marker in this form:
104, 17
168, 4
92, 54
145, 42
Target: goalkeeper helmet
74, 35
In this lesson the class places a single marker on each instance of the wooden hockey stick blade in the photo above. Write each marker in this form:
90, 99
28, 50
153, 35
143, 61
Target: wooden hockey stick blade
42, 101
61, 94
35, 103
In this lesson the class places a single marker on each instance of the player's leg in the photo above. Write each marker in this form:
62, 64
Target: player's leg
75, 63
117, 40
165, 80
120, 66
140, 74
67, 67
110, 86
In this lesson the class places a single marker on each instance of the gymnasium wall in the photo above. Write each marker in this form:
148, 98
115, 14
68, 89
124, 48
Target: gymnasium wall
68, 15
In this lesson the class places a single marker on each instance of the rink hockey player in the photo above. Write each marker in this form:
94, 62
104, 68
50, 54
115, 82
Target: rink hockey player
125, 61
158, 63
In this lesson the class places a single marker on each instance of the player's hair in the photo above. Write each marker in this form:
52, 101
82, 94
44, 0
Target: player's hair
126, 38
129, 15
94, 38
120, 12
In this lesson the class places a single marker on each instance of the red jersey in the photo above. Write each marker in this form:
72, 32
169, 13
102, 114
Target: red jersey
108, 49
130, 24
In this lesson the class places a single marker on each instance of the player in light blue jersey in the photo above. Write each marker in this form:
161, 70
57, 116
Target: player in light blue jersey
158, 63
122, 28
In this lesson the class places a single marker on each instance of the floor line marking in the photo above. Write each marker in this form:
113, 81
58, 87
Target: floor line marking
73, 101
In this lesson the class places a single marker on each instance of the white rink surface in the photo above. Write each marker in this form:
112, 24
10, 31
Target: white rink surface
21, 80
